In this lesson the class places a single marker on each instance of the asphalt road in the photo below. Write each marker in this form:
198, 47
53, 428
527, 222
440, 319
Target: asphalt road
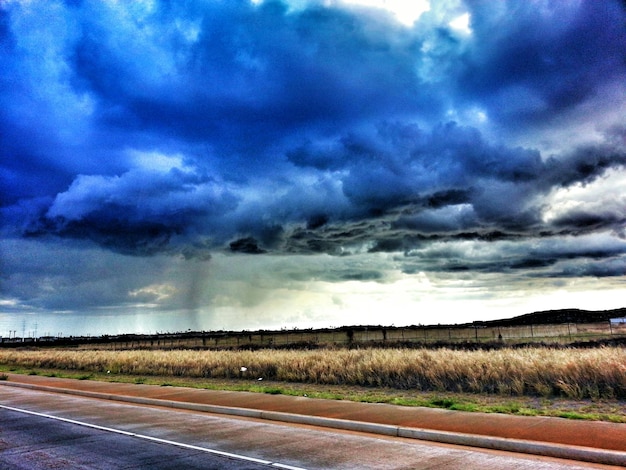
108, 435
33, 443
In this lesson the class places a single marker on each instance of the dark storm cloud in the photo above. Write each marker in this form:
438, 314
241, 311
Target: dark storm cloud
66, 275
251, 75
584, 221
247, 245
584, 165
531, 61
224, 82
297, 130
609, 268
539, 257
62, 282
451, 183
397, 163
138, 213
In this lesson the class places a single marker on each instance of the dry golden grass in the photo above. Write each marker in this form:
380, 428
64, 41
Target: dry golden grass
573, 373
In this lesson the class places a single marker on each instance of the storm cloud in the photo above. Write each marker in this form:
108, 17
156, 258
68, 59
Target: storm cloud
185, 131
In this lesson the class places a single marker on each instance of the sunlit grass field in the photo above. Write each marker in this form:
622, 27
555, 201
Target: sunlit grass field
597, 373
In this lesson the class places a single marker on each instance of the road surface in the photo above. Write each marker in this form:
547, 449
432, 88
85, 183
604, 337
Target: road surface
101, 434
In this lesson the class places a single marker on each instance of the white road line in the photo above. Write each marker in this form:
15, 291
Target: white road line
155, 439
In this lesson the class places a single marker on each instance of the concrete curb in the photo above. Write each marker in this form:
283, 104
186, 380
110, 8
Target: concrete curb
562, 451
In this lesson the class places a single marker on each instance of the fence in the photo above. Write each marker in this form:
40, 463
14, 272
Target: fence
556, 333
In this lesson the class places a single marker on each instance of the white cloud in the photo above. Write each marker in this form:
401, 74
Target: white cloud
406, 12
604, 195
156, 160
157, 291
461, 24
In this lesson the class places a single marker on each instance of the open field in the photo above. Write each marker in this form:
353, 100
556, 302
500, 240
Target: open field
570, 383
545, 372
455, 369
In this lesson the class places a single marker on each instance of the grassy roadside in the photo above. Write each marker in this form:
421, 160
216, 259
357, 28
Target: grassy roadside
611, 410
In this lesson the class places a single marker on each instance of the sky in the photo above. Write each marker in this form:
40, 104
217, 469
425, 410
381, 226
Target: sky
239, 165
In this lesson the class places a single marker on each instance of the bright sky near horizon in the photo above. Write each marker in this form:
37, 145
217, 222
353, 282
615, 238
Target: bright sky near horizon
206, 165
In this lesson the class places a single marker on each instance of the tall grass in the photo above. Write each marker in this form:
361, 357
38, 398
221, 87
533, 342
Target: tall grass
573, 373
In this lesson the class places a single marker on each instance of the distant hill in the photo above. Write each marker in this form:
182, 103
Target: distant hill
570, 315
